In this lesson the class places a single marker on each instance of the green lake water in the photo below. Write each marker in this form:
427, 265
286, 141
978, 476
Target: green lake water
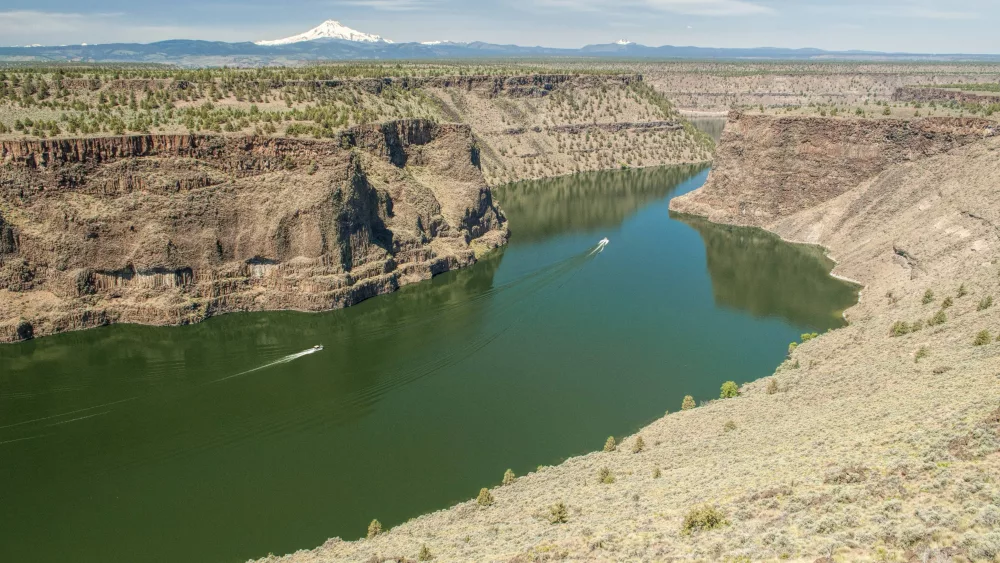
147, 444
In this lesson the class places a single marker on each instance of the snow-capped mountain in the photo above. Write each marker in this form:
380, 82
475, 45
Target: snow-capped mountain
623, 42
330, 29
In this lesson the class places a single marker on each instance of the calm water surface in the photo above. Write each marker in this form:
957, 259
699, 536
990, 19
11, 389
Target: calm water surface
148, 444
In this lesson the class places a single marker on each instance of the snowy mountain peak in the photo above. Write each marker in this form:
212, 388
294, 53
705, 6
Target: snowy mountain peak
330, 29
623, 42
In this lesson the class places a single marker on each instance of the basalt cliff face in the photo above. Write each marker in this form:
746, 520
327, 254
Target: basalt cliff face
767, 168
171, 229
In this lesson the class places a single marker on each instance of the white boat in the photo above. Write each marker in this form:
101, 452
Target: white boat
317, 347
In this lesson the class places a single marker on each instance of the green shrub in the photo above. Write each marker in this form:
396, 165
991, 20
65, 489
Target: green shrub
986, 303
792, 347
374, 529
609, 444
703, 518
917, 325
638, 445
962, 292
604, 475
729, 390
425, 554
809, 336
939, 318
922, 353
982, 338
729, 426
899, 328
772, 386
688, 403
948, 302
508, 478
558, 513
928, 297
484, 498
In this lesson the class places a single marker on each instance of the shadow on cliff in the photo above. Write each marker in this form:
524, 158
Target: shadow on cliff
757, 272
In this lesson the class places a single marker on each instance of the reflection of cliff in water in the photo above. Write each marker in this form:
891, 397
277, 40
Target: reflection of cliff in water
587, 201
711, 126
756, 271
352, 337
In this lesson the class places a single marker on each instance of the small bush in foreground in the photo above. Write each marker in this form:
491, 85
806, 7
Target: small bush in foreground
809, 336
792, 347
922, 353
688, 403
374, 529
772, 386
962, 292
986, 303
484, 498
558, 513
928, 297
425, 554
609, 444
939, 318
916, 325
982, 338
638, 445
899, 328
703, 518
948, 302
604, 475
729, 390
729, 426
508, 477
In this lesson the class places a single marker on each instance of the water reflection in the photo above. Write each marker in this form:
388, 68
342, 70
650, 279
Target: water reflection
587, 201
711, 126
755, 271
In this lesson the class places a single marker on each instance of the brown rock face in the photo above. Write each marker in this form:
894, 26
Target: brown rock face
770, 167
163, 229
917, 94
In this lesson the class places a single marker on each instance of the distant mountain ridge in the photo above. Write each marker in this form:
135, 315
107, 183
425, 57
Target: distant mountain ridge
332, 40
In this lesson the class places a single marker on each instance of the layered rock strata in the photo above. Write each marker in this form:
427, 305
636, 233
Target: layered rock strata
171, 229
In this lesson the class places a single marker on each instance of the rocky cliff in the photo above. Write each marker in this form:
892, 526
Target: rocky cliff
167, 229
769, 167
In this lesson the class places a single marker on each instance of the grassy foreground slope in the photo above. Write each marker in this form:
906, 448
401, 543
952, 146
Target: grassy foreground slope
863, 446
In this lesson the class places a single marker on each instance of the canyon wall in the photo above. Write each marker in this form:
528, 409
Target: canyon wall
876, 441
770, 167
170, 229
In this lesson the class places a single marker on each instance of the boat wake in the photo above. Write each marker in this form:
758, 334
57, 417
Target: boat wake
600, 246
284, 360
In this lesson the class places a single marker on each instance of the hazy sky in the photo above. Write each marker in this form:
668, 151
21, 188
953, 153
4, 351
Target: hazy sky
926, 26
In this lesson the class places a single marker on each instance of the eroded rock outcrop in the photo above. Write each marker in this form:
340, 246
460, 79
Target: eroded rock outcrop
770, 167
167, 229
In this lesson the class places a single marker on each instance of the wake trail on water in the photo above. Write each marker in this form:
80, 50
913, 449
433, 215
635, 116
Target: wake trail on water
284, 360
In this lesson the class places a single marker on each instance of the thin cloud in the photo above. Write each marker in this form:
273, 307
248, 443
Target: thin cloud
28, 27
391, 5
686, 7
931, 14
